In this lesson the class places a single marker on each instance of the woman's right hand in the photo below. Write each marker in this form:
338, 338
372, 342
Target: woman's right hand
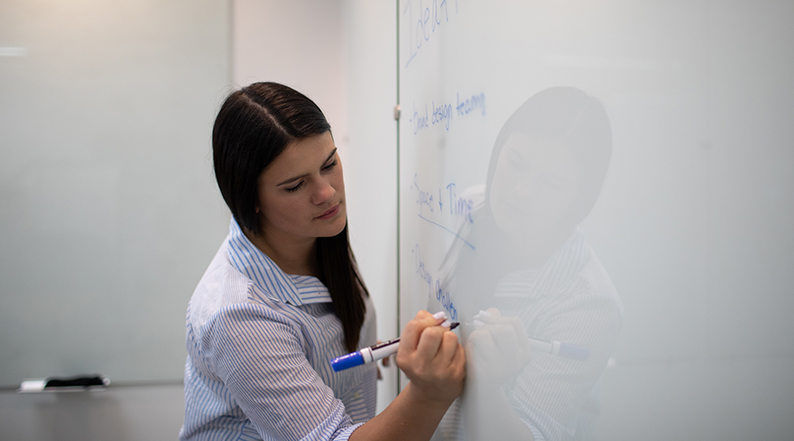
432, 358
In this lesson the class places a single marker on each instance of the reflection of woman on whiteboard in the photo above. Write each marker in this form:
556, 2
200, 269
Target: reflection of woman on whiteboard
533, 274
283, 296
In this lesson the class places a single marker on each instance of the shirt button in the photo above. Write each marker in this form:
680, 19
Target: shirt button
357, 395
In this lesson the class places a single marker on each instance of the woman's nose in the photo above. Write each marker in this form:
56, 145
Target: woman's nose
323, 193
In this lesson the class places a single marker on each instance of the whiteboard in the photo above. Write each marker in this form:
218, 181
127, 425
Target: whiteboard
689, 232
109, 208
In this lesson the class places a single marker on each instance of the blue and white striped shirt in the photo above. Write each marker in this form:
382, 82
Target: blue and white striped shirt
259, 341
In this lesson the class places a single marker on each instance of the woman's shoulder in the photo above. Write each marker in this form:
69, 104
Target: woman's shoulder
221, 283
225, 291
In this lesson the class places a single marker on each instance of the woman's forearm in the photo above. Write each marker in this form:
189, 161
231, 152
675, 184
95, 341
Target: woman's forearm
408, 418
487, 414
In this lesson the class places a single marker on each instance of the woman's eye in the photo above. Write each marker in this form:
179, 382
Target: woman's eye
295, 188
330, 166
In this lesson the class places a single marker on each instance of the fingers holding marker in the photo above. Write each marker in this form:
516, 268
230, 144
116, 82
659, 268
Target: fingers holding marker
444, 342
429, 342
432, 358
413, 329
426, 342
443, 351
449, 347
418, 335
418, 346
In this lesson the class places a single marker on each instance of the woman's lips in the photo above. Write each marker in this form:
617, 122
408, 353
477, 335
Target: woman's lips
330, 213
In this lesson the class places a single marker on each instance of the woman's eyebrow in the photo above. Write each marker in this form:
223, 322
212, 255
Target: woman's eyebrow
333, 152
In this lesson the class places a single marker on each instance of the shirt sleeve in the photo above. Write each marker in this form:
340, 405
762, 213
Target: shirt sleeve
259, 356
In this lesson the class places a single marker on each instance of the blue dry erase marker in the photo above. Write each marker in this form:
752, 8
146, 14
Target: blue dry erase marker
370, 354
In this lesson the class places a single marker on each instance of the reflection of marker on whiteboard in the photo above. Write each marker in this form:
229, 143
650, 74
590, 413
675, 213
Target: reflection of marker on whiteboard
378, 351
546, 346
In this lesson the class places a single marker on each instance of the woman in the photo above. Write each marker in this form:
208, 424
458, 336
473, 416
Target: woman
283, 296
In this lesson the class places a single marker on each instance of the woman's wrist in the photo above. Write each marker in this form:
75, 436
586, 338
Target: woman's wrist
410, 417
428, 400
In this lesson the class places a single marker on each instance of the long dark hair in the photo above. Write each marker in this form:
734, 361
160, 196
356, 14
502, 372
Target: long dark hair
254, 125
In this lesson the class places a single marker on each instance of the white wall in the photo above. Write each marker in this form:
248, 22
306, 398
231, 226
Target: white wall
341, 54
109, 206
370, 35
297, 43
110, 212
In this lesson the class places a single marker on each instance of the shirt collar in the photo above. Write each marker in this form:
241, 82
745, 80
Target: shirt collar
268, 277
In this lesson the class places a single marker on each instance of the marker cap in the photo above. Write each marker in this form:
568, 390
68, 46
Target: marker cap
347, 361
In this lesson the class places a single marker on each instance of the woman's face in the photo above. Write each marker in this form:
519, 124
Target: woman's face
302, 192
535, 183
